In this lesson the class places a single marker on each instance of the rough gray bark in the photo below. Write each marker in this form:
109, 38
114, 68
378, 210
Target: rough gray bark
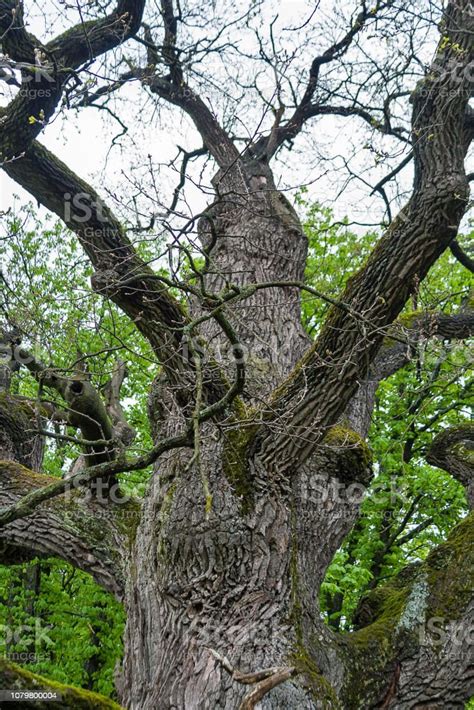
77, 529
453, 450
232, 546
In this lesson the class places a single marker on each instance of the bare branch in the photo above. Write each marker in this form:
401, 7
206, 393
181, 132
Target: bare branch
453, 451
306, 109
342, 355
461, 255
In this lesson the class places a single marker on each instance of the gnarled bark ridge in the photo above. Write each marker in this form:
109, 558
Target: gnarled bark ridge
246, 510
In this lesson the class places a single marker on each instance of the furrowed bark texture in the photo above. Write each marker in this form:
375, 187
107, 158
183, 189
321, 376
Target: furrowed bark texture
75, 528
233, 543
243, 579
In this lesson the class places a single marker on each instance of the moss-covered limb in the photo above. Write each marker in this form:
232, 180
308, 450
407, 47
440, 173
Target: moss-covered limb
320, 687
15, 678
77, 528
349, 455
354, 457
86, 409
453, 451
415, 632
237, 440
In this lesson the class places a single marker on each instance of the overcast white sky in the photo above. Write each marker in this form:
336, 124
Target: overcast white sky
84, 141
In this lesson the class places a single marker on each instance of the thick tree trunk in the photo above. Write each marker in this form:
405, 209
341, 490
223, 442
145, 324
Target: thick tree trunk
223, 574
220, 580
241, 581
239, 577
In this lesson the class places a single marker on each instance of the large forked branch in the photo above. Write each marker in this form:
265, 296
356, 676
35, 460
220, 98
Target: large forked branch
154, 311
50, 66
148, 303
176, 91
317, 393
67, 529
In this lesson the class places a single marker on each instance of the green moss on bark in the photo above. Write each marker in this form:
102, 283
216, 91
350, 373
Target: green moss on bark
321, 689
394, 616
235, 459
301, 658
405, 321
450, 570
13, 677
25, 475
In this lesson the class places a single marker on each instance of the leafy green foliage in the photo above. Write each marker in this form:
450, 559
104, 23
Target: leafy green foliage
46, 295
410, 506
57, 622
408, 509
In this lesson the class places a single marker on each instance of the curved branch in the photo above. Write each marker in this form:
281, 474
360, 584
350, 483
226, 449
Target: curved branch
461, 255
68, 529
317, 393
215, 138
453, 451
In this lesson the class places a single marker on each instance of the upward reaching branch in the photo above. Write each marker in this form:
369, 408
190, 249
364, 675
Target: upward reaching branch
173, 88
319, 390
50, 66
266, 146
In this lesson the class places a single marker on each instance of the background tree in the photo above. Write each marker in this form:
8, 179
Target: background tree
258, 433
